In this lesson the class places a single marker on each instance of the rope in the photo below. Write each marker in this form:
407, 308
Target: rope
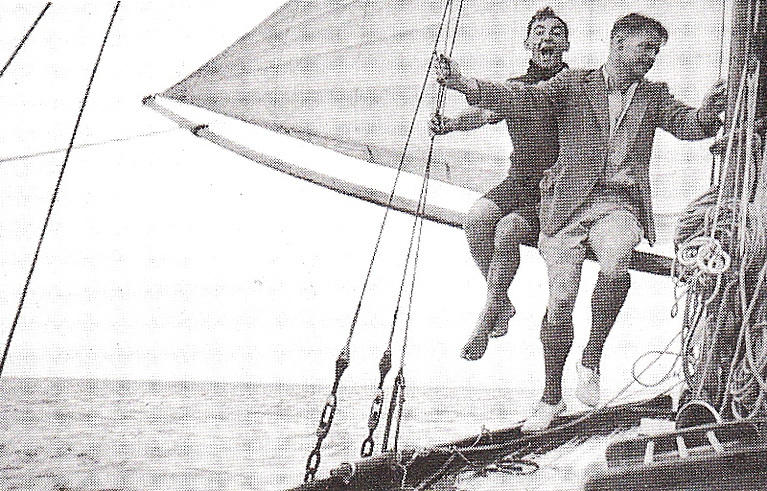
397, 399
720, 65
736, 315
343, 360
56, 192
721, 37
17, 158
24, 39
730, 144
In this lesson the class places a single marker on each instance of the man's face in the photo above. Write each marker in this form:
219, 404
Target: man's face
547, 41
636, 51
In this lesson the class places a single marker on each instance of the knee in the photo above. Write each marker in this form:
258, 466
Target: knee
560, 311
511, 230
483, 216
614, 268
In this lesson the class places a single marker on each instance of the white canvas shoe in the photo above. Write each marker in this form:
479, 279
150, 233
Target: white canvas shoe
542, 416
588, 385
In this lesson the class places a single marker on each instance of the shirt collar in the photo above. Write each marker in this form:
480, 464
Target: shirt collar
612, 85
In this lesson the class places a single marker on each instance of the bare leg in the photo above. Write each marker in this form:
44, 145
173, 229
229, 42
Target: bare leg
510, 232
479, 227
494, 319
612, 238
504, 262
563, 262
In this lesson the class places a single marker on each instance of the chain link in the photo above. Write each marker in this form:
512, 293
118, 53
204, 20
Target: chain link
326, 418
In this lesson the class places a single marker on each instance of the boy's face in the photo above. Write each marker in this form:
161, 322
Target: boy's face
547, 41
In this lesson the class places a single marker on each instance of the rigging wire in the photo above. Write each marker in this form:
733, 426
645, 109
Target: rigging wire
397, 398
396, 401
401, 373
56, 191
385, 363
24, 39
343, 360
16, 158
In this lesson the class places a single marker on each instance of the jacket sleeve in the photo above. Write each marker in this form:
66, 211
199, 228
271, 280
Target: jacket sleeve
516, 100
681, 120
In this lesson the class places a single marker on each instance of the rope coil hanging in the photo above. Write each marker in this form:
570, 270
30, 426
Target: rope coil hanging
725, 319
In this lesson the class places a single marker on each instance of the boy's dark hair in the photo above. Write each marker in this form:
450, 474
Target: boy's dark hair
638, 23
543, 14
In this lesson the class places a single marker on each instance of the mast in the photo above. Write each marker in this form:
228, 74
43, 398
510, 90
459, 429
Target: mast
726, 297
746, 49
738, 46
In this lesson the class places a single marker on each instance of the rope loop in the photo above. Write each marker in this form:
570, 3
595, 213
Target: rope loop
705, 254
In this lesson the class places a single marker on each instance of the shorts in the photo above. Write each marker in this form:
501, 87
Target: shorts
520, 196
607, 225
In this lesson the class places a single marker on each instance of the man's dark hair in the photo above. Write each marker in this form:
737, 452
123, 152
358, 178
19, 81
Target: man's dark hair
634, 22
543, 14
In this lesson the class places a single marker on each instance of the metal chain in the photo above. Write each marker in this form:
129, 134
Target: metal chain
326, 418
375, 410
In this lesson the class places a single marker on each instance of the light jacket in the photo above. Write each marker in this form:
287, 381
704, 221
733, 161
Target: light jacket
577, 99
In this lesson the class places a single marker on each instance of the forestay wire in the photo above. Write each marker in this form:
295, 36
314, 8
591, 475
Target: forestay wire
24, 39
56, 191
343, 360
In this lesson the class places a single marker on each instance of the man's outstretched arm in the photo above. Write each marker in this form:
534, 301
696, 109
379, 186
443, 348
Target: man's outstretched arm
510, 100
472, 119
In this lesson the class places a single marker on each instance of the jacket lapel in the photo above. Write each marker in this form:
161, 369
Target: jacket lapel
596, 89
636, 109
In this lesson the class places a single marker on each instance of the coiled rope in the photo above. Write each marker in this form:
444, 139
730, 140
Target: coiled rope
723, 270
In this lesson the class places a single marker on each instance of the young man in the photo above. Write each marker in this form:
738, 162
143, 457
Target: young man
598, 192
508, 214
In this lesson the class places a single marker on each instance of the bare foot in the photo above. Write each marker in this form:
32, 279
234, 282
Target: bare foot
477, 344
501, 326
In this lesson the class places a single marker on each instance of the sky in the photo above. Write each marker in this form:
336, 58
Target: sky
169, 258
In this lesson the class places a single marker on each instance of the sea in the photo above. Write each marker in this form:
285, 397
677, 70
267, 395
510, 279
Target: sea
91, 434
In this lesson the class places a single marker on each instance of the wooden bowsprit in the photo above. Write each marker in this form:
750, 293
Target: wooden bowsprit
423, 467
